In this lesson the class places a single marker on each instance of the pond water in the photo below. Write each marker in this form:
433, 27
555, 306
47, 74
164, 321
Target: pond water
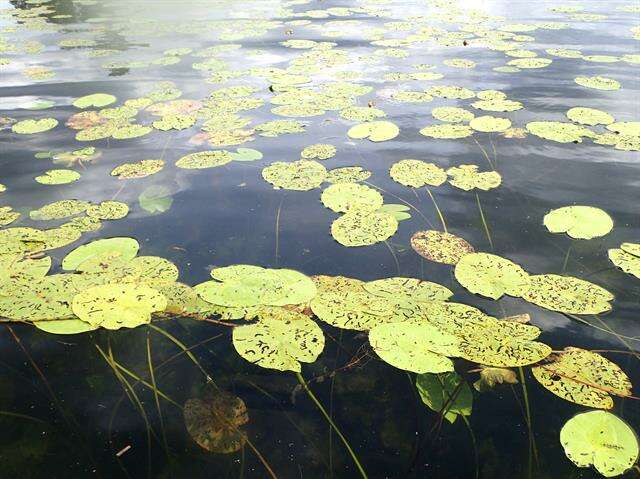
179, 396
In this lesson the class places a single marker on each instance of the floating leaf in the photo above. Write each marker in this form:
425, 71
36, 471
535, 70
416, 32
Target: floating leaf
448, 131
420, 348
403, 290
362, 227
627, 258
29, 127
417, 173
342, 196
399, 212
7, 215
491, 377
97, 100
127, 248
589, 116
347, 174
488, 124
467, 177
214, 422
319, 151
42, 299
498, 105
583, 377
440, 247
64, 326
491, 275
59, 210
108, 210
139, 169
445, 394
567, 294
452, 114
204, 159
301, 175
58, 177
374, 131
281, 339
491, 346
601, 439
114, 306
246, 154
598, 82
584, 222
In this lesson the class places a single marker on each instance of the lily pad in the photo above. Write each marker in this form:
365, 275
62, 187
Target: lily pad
58, 177
488, 124
559, 131
452, 114
342, 196
246, 154
140, 169
281, 340
598, 82
627, 258
490, 275
448, 131
362, 227
64, 326
440, 247
589, 116
583, 377
583, 222
114, 306
601, 439
318, 151
347, 174
417, 173
567, 294
108, 210
374, 131
127, 248
96, 100
301, 175
204, 159
155, 199
30, 127
467, 177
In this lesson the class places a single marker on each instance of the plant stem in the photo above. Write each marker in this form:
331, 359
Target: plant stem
332, 424
484, 221
444, 225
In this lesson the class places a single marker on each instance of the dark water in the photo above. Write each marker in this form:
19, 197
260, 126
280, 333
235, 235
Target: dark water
65, 414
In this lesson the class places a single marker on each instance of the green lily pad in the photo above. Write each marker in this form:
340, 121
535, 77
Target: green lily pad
140, 169
398, 211
491, 377
347, 174
598, 82
449, 91
362, 227
58, 177
204, 159
589, 116
30, 127
583, 377
583, 222
108, 210
64, 326
417, 173
281, 340
530, 62
128, 131
627, 258
444, 394
490, 275
452, 114
488, 124
467, 177
567, 294
318, 151
342, 196
43, 299
127, 248
96, 100
7, 215
59, 210
374, 131
497, 105
447, 132
301, 175
601, 439
420, 348
246, 154
440, 247
501, 350
114, 306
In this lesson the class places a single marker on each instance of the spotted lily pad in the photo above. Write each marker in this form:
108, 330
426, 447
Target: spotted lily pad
108, 210
589, 116
301, 175
374, 131
488, 124
318, 151
347, 174
567, 294
501, 350
363, 227
139, 169
7, 215
490, 275
30, 127
447, 131
452, 114
440, 247
281, 340
627, 258
114, 306
559, 131
601, 439
204, 159
598, 82
467, 177
583, 377
584, 222
59, 210
417, 173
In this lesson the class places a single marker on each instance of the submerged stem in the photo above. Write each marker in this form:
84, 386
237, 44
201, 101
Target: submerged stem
533, 453
484, 221
332, 424
444, 225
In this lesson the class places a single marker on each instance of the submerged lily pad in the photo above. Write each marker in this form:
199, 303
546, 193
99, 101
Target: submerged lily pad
583, 377
214, 422
301, 175
491, 275
374, 131
440, 247
584, 222
601, 439
567, 294
417, 173
281, 340
246, 154
444, 394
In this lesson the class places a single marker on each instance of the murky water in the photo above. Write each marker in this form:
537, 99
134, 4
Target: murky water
75, 405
